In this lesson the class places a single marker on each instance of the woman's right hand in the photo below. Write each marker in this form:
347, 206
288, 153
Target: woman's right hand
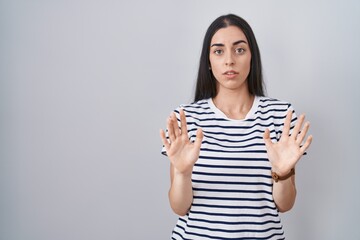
181, 151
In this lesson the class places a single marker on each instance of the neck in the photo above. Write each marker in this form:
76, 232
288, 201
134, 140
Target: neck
234, 104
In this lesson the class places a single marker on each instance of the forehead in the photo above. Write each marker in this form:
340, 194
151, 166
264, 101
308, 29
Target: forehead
229, 34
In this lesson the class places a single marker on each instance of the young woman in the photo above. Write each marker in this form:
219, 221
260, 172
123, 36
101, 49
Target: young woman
232, 151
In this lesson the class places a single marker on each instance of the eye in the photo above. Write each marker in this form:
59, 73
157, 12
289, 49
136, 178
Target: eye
239, 50
218, 51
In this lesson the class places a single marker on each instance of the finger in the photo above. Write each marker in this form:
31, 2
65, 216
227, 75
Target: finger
287, 122
303, 133
199, 138
267, 138
175, 125
306, 145
170, 127
183, 121
164, 140
297, 127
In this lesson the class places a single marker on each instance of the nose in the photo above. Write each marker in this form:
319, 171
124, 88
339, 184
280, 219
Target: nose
229, 60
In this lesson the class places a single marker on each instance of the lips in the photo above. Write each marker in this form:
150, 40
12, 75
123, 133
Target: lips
231, 74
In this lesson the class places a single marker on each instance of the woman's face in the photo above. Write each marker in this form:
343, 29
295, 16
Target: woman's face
230, 58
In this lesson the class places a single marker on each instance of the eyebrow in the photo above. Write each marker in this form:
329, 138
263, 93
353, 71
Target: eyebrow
221, 44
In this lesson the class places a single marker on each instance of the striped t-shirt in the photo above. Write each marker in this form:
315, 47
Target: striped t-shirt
232, 184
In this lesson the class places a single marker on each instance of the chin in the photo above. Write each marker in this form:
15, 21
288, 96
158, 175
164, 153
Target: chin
233, 84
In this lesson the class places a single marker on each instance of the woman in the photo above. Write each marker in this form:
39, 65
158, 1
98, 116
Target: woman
233, 151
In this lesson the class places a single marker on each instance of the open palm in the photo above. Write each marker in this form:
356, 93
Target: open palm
285, 153
181, 151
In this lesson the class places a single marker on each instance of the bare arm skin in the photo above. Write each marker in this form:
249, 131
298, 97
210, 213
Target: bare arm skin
182, 154
283, 156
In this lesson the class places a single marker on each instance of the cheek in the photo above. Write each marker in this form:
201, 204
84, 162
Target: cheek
216, 71
212, 62
246, 65
215, 67
249, 62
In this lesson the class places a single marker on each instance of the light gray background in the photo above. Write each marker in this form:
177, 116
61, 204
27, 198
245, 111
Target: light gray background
85, 87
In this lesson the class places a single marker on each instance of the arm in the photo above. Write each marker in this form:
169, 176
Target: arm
182, 154
284, 194
283, 156
180, 193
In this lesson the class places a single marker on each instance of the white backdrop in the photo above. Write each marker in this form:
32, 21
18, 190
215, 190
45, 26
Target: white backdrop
85, 87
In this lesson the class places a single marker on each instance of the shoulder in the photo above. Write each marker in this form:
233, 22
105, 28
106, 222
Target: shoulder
195, 112
201, 104
274, 105
199, 107
268, 102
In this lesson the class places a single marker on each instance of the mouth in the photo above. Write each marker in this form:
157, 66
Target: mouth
230, 73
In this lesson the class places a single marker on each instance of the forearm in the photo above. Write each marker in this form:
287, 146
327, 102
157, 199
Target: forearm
284, 194
180, 193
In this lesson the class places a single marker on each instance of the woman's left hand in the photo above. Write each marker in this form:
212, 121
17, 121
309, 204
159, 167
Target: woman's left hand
284, 154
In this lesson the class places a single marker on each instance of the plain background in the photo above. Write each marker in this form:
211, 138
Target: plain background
85, 87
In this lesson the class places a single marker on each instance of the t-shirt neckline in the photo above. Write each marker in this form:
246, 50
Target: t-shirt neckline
249, 115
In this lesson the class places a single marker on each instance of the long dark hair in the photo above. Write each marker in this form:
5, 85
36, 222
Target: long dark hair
206, 82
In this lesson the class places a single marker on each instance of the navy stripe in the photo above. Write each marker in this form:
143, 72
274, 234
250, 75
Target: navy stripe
231, 174
233, 223
239, 127
235, 134
233, 151
233, 141
271, 111
234, 159
232, 206
233, 183
274, 104
244, 146
268, 99
234, 127
233, 199
227, 120
235, 214
198, 113
234, 231
231, 166
231, 190
196, 107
